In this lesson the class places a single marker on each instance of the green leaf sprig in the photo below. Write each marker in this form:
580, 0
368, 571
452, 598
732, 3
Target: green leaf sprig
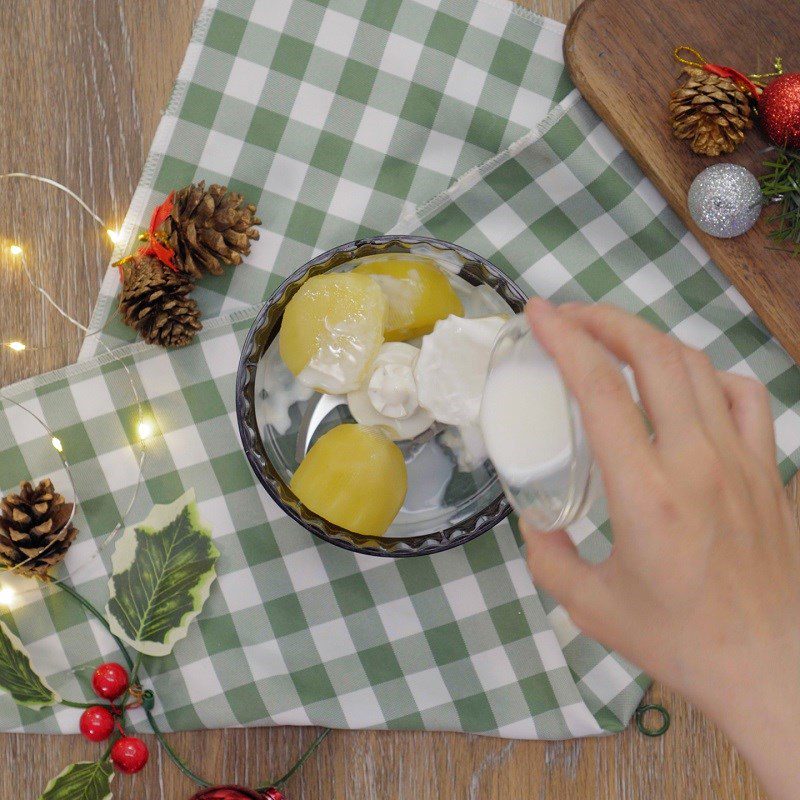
781, 184
86, 780
18, 676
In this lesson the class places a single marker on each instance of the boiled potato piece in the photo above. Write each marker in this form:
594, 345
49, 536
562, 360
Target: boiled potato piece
354, 477
332, 329
417, 292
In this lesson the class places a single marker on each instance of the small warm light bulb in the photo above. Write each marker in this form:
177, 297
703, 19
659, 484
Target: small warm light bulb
15, 250
114, 235
144, 429
7, 596
56, 442
17, 347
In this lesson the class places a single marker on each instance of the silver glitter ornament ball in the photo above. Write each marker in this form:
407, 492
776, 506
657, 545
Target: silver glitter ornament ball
725, 200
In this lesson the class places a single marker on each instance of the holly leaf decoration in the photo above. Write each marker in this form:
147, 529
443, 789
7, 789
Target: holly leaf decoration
162, 571
86, 780
17, 675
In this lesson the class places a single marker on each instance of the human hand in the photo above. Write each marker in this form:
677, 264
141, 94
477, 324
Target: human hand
702, 588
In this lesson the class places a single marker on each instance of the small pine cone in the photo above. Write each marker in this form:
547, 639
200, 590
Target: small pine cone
208, 228
35, 529
711, 111
154, 301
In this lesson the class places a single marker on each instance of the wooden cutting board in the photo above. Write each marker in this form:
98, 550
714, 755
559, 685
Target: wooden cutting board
619, 53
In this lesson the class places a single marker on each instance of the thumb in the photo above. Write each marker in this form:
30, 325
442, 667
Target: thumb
556, 566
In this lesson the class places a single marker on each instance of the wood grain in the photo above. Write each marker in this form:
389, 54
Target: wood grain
620, 56
82, 83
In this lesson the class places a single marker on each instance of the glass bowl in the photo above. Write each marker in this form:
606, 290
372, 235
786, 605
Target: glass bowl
448, 503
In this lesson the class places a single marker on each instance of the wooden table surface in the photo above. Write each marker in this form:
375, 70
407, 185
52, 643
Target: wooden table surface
82, 85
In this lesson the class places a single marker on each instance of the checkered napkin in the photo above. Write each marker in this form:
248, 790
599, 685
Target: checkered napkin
295, 631
299, 632
336, 118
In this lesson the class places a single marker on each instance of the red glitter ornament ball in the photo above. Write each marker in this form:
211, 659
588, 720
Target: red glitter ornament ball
236, 793
129, 754
96, 724
779, 107
110, 681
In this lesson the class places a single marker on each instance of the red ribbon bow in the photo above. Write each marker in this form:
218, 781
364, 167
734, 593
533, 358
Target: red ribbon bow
739, 78
155, 247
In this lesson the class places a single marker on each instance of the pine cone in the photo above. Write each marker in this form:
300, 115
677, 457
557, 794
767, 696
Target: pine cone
154, 301
208, 228
35, 529
711, 111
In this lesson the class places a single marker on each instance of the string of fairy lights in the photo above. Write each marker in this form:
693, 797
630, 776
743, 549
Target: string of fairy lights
144, 426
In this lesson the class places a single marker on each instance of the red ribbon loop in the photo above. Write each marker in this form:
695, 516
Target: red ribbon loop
154, 247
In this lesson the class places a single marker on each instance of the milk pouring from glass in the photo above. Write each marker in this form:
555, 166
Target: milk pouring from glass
533, 433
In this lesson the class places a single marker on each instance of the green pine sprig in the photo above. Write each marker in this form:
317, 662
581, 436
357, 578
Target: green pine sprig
780, 184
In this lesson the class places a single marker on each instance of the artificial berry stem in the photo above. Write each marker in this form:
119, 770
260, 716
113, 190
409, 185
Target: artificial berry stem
100, 618
73, 704
281, 782
174, 757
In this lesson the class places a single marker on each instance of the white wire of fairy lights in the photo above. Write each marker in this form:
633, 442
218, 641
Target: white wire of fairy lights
144, 426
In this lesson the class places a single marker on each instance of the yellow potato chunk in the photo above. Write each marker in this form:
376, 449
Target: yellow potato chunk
332, 329
418, 295
354, 477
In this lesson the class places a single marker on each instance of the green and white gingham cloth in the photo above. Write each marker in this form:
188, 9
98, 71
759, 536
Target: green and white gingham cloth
335, 118
295, 631
298, 632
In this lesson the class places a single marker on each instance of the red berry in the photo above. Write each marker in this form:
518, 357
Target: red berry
110, 681
96, 723
129, 754
273, 794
